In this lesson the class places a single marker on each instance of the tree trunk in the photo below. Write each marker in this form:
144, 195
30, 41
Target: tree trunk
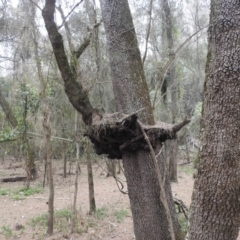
65, 164
173, 144
47, 131
215, 210
8, 111
131, 94
78, 170
173, 149
92, 204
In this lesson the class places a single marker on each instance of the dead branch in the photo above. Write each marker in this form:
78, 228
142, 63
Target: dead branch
181, 207
64, 20
117, 180
179, 126
14, 179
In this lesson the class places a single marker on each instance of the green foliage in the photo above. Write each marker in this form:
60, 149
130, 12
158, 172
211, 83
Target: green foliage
22, 193
8, 134
117, 213
188, 169
183, 222
4, 192
28, 99
120, 214
63, 213
6, 231
61, 220
102, 212
40, 221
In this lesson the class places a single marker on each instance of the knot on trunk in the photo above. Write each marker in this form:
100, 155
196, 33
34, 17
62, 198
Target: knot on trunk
112, 134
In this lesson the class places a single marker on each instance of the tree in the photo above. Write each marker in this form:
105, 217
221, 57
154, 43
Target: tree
8, 111
215, 208
152, 219
173, 145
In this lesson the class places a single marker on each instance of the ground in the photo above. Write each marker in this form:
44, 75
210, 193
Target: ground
23, 213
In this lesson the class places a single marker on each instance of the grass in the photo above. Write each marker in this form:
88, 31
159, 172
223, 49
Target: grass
6, 231
40, 221
4, 192
111, 212
188, 169
101, 212
62, 219
22, 193
183, 222
120, 214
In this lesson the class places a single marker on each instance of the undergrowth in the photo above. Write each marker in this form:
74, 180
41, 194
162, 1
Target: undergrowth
62, 219
21, 193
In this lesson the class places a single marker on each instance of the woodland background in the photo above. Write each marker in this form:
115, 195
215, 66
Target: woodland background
20, 84
31, 88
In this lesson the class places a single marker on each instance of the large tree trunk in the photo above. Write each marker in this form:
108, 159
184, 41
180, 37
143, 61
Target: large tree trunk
131, 94
215, 210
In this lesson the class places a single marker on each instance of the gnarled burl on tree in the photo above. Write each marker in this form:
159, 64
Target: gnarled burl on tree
112, 134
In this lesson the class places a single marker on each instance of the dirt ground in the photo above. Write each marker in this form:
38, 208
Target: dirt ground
114, 216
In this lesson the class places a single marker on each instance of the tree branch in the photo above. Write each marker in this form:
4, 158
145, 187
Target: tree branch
8, 111
86, 42
64, 20
177, 127
77, 95
170, 62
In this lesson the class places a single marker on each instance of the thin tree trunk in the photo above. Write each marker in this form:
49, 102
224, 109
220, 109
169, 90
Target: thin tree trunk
78, 169
65, 164
148, 31
187, 148
47, 131
92, 204
74, 210
173, 148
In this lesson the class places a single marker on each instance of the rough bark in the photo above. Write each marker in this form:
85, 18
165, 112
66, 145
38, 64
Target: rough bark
77, 95
215, 210
131, 94
125, 60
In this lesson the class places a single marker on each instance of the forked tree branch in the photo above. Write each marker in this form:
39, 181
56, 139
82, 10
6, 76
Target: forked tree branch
77, 95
